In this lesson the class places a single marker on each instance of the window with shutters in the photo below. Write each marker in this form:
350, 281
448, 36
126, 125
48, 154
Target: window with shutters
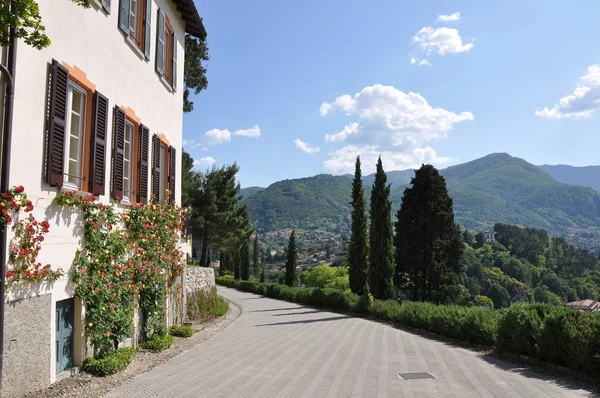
128, 161
164, 161
134, 21
76, 133
166, 50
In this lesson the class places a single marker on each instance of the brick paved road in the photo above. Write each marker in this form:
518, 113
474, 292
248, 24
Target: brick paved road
279, 349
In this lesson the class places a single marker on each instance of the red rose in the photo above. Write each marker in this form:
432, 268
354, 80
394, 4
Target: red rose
10, 274
20, 188
8, 219
45, 224
28, 273
6, 195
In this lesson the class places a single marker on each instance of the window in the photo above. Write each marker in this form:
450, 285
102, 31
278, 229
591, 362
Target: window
75, 134
163, 169
161, 173
127, 161
166, 50
73, 143
134, 21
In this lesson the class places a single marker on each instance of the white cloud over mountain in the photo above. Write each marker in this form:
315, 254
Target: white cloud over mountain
304, 147
582, 103
389, 122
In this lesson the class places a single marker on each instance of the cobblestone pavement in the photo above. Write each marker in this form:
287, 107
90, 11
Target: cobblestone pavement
280, 349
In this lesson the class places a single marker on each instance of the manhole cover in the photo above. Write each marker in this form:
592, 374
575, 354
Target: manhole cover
415, 376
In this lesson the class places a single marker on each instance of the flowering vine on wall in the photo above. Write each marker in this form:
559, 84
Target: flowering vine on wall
26, 245
121, 269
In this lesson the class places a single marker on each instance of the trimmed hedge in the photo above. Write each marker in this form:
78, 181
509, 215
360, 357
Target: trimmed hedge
110, 363
158, 343
557, 335
181, 331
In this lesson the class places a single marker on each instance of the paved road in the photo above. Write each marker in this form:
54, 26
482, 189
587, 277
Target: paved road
279, 349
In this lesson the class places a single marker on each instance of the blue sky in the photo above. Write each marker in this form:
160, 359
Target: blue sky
339, 76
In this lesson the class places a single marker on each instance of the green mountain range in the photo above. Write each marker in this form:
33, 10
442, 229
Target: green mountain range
495, 188
588, 176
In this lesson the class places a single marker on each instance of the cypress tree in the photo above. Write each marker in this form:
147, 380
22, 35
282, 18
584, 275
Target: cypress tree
381, 255
290, 263
428, 242
358, 254
208, 261
255, 254
245, 261
262, 274
235, 259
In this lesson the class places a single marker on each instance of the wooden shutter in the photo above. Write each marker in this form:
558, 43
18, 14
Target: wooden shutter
174, 63
124, 16
143, 154
147, 28
98, 144
160, 43
155, 167
55, 152
172, 171
117, 153
106, 6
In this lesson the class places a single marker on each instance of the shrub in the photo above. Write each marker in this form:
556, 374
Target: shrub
203, 305
388, 310
181, 331
158, 343
483, 301
110, 363
519, 330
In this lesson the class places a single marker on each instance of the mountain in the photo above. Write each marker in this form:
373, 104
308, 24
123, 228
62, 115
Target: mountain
247, 192
495, 188
588, 176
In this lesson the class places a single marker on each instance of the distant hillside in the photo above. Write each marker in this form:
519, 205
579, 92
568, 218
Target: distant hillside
247, 192
495, 188
588, 176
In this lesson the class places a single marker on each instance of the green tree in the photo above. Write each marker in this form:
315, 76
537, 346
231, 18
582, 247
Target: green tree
245, 261
483, 301
499, 296
237, 269
190, 180
429, 244
290, 263
381, 254
358, 253
262, 274
255, 254
325, 276
469, 238
194, 69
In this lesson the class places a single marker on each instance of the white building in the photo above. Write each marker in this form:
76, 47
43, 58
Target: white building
98, 111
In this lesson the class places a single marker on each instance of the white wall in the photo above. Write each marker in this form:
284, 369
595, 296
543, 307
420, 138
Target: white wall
90, 40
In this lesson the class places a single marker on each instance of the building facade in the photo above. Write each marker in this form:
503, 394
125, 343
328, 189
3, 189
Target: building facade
98, 111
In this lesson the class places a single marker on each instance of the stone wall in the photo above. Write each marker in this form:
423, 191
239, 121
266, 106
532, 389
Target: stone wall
27, 345
197, 278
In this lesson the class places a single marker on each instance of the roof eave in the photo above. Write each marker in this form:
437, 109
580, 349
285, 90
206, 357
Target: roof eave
189, 14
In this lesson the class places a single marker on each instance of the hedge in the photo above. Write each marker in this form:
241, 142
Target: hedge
158, 343
181, 331
110, 363
556, 335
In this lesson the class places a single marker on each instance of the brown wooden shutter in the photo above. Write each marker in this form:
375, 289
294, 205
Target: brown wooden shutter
55, 151
172, 171
98, 144
155, 167
117, 153
144, 153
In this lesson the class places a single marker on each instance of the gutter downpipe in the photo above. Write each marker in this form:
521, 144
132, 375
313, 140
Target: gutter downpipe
8, 74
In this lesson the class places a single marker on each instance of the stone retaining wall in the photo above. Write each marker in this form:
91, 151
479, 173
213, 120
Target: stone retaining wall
199, 278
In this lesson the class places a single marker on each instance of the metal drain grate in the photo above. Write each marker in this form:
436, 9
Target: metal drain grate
415, 376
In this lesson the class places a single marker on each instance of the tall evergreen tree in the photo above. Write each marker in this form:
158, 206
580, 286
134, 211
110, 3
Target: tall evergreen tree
358, 254
245, 260
381, 254
290, 263
237, 269
255, 254
208, 261
428, 242
262, 274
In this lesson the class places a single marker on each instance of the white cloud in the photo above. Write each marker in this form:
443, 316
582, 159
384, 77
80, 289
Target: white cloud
348, 130
389, 122
448, 18
582, 103
253, 132
217, 137
303, 146
204, 162
441, 40
204, 148
422, 62
191, 144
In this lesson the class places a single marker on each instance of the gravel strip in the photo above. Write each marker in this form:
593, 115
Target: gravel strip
85, 385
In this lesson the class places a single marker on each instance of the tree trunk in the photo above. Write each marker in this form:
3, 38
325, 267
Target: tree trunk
204, 250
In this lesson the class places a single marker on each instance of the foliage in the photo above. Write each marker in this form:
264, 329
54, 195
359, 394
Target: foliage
194, 69
181, 331
520, 328
499, 296
110, 363
483, 301
204, 305
358, 253
428, 243
26, 245
245, 260
324, 276
381, 251
255, 253
117, 267
157, 343
190, 180
290, 263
